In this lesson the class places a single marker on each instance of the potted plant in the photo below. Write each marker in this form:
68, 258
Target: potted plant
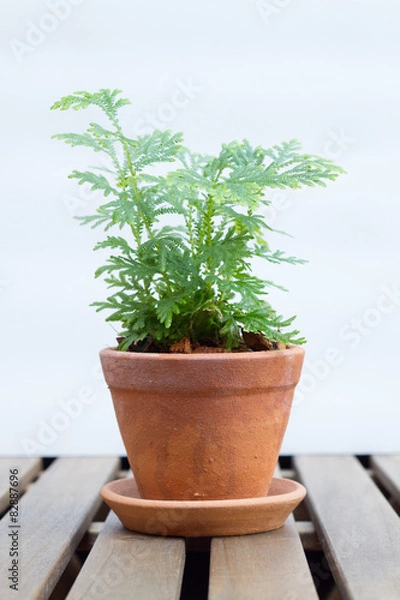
204, 372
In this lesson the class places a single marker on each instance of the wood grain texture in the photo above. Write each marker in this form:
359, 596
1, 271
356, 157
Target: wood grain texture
387, 470
53, 516
264, 566
358, 528
28, 469
127, 565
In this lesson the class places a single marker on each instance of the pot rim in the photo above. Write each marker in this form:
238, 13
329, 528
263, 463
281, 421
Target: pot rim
217, 356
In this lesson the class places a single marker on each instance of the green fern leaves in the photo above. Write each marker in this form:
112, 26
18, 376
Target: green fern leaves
193, 279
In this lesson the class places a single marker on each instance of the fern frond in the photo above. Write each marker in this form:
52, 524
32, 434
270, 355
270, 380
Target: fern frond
105, 99
96, 182
194, 278
83, 139
159, 146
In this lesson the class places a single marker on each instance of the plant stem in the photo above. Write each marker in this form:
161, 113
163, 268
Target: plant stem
132, 174
137, 196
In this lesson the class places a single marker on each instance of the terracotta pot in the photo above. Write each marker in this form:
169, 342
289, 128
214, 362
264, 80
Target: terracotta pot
202, 426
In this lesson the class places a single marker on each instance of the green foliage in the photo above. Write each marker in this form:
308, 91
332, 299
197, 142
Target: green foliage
193, 279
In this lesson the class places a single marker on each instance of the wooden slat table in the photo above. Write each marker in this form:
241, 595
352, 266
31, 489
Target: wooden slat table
342, 542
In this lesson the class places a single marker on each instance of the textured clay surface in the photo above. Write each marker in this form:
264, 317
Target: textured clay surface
202, 427
205, 519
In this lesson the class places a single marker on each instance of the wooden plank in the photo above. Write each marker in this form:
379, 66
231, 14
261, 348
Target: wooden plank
359, 530
264, 566
53, 516
387, 470
28, 469
125, 565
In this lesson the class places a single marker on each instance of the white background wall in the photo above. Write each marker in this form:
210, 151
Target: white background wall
324, 72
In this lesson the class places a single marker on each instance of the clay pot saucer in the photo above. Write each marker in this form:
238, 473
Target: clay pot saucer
198, 518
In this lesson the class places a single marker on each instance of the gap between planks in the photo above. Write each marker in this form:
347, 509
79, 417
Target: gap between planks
54, 514
359, 530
